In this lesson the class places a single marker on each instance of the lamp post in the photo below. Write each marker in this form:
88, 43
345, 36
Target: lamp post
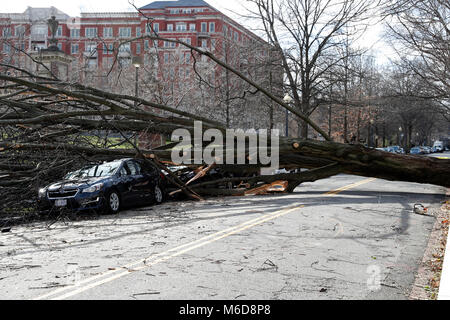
137, 63
287, 99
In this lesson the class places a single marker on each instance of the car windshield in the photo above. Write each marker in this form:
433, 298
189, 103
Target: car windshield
102, 170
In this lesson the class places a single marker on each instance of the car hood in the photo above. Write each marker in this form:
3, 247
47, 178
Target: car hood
75, 184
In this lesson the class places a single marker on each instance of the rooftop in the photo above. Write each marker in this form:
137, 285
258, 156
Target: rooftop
176, 4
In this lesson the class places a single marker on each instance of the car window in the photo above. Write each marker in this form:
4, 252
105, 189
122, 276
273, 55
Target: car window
101, 170
133, 169
138, 167
123, 171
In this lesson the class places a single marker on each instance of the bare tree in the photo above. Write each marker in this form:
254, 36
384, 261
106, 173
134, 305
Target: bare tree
306, 34
421, 29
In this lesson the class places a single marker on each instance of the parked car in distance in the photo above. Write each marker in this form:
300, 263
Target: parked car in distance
106, 187
415, 150
396, 149
439, 145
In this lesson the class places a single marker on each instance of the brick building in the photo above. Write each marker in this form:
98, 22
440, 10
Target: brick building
95, 40
95, 36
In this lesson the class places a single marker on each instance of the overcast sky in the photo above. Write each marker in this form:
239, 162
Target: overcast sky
74, 7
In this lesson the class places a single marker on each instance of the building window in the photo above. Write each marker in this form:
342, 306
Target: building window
91, 47
170, 27
204, 26
60, 46
155, 43
39, 30
75, 33
236, 36
166, 57
149, 27
192, 27
90, 32
6, 32
138, 48
174, 11
20, 31
213, 44
138, 31
125, 32
212, 27
187, 11
146, 45
6, 48
108, 48
59, 32
187, 58
125, 48
204, 43
181, 27
108, 32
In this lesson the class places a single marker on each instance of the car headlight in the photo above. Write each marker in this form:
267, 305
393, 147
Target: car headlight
94, 188
42, 192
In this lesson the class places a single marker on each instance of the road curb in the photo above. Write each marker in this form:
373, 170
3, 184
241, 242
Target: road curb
444, 287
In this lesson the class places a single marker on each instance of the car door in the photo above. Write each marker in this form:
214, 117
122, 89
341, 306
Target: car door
139, 182
125, 184
152, 178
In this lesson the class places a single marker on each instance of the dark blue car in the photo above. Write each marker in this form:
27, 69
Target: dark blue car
106, 187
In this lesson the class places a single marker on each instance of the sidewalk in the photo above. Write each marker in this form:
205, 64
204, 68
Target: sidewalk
444, 287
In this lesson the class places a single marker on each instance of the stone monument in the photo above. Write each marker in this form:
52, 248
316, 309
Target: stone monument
53, 61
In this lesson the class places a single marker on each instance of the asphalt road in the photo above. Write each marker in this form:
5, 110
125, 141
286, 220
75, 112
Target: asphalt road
342, 238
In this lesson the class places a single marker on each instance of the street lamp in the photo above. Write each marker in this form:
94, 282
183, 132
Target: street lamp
287, 99
137, 63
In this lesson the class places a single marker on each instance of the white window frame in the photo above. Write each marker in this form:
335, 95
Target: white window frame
6, 32
59, 32
170, 27
125, 48
92, 46
19, 31
74, 48
181, 27
75, 33
212, 27
91, 32
205, 29
108, 32
125, 32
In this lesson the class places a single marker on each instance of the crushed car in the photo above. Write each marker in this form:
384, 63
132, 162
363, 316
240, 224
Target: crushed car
106, 187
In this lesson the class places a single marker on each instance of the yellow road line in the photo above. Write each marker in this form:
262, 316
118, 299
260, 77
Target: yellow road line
95, 284
133, 264
112, 275
352, 186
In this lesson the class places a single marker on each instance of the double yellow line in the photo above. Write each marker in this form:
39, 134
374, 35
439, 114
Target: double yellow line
111, 275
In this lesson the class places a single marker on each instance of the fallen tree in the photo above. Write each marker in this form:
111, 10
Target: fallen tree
50, 127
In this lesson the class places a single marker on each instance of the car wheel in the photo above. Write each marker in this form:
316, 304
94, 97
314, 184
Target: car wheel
112, 204
158, 194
